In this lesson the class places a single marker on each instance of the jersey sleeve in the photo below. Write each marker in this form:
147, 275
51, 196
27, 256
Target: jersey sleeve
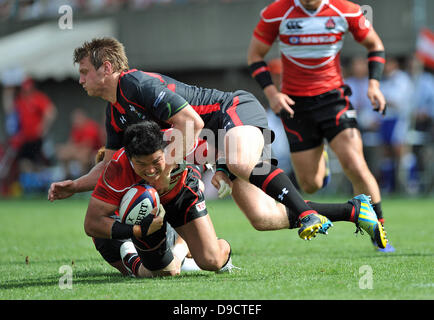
110, 187
267, 28
162, 102
358, 25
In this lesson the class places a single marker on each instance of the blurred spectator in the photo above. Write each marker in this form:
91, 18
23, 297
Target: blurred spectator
422, 135
82, 146
35, 113
397, 88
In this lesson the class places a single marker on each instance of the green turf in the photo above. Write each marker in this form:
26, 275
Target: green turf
37, 238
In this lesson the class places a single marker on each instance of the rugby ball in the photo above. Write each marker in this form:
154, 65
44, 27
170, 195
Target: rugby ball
137, 203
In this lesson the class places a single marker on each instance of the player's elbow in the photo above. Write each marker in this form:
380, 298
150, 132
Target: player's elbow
89, 227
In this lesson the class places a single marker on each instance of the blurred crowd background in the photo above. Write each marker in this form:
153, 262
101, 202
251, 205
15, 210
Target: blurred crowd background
50, 129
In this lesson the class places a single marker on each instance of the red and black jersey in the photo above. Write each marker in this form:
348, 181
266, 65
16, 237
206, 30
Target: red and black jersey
119, 176
151, 96
310, 42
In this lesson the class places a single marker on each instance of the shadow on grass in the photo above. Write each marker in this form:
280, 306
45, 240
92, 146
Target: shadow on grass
86, 277
92, 278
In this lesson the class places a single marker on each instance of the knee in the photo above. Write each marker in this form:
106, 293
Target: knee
310, 185
355, 169
239, 169
210, 263
259, 224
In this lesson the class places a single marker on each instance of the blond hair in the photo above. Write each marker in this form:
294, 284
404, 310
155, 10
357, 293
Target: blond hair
104, 49
100, 155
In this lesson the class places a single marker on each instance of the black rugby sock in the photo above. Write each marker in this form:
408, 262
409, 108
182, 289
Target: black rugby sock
378, 212
274, 182
334, 211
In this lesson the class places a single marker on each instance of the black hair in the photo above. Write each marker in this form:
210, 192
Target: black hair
142, 139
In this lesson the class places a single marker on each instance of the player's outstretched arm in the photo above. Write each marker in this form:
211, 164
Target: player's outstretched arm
65, 189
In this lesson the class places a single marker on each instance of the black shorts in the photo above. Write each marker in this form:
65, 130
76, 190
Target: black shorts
239, 109
318, 117
188, 204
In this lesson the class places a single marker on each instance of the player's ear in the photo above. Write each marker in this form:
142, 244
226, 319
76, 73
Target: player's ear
107, 67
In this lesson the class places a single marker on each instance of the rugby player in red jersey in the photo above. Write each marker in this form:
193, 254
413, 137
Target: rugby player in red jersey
313, 100
143, 159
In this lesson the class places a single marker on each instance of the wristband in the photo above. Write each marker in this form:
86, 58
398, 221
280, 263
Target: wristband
376, 61
261, 73
221, 166
121, 231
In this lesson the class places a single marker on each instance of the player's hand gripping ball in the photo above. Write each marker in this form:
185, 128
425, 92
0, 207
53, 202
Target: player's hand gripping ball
138, 203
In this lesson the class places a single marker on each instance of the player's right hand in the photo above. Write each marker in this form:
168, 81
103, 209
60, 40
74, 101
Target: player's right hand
61, 190
279, 101
151, 223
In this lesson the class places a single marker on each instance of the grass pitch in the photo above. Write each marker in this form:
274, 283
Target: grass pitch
38, 238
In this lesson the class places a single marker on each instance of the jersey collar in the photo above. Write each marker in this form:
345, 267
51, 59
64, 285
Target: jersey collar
323, 3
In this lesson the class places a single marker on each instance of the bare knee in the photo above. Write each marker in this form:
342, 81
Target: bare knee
214, 261
310, 185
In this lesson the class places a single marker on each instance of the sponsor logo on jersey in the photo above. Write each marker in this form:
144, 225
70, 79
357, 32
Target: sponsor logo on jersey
294, 24
312, 39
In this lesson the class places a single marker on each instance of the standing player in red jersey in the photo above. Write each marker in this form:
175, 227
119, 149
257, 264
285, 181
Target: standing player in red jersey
313, 100
143, 159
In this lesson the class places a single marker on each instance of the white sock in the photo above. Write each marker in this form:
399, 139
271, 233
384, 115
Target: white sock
127, 247
190, 265
180, 250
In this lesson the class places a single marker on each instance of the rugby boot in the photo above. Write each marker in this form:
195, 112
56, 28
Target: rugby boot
366, 219
313, 223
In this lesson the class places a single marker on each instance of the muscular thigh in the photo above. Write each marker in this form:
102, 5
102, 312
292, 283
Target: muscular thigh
348, 147
307, 163
201, 238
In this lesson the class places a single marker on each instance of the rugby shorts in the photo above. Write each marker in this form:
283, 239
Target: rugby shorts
317, 118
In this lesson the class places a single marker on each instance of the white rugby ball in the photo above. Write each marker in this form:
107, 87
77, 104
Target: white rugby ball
137, 203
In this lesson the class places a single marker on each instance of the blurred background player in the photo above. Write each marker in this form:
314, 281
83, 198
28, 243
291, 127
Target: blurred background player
82, 145
394, 127
34, 114
313, 100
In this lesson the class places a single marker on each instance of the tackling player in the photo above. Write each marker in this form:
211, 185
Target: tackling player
313, 102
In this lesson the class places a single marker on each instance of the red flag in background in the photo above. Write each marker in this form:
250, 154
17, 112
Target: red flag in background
425, 47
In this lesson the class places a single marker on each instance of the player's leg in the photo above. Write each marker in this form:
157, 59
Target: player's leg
209, 252
348, 147
261, 210
110, 251
310, 168
243, 150
156, 257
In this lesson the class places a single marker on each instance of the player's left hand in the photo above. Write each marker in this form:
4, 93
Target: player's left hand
376, 96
